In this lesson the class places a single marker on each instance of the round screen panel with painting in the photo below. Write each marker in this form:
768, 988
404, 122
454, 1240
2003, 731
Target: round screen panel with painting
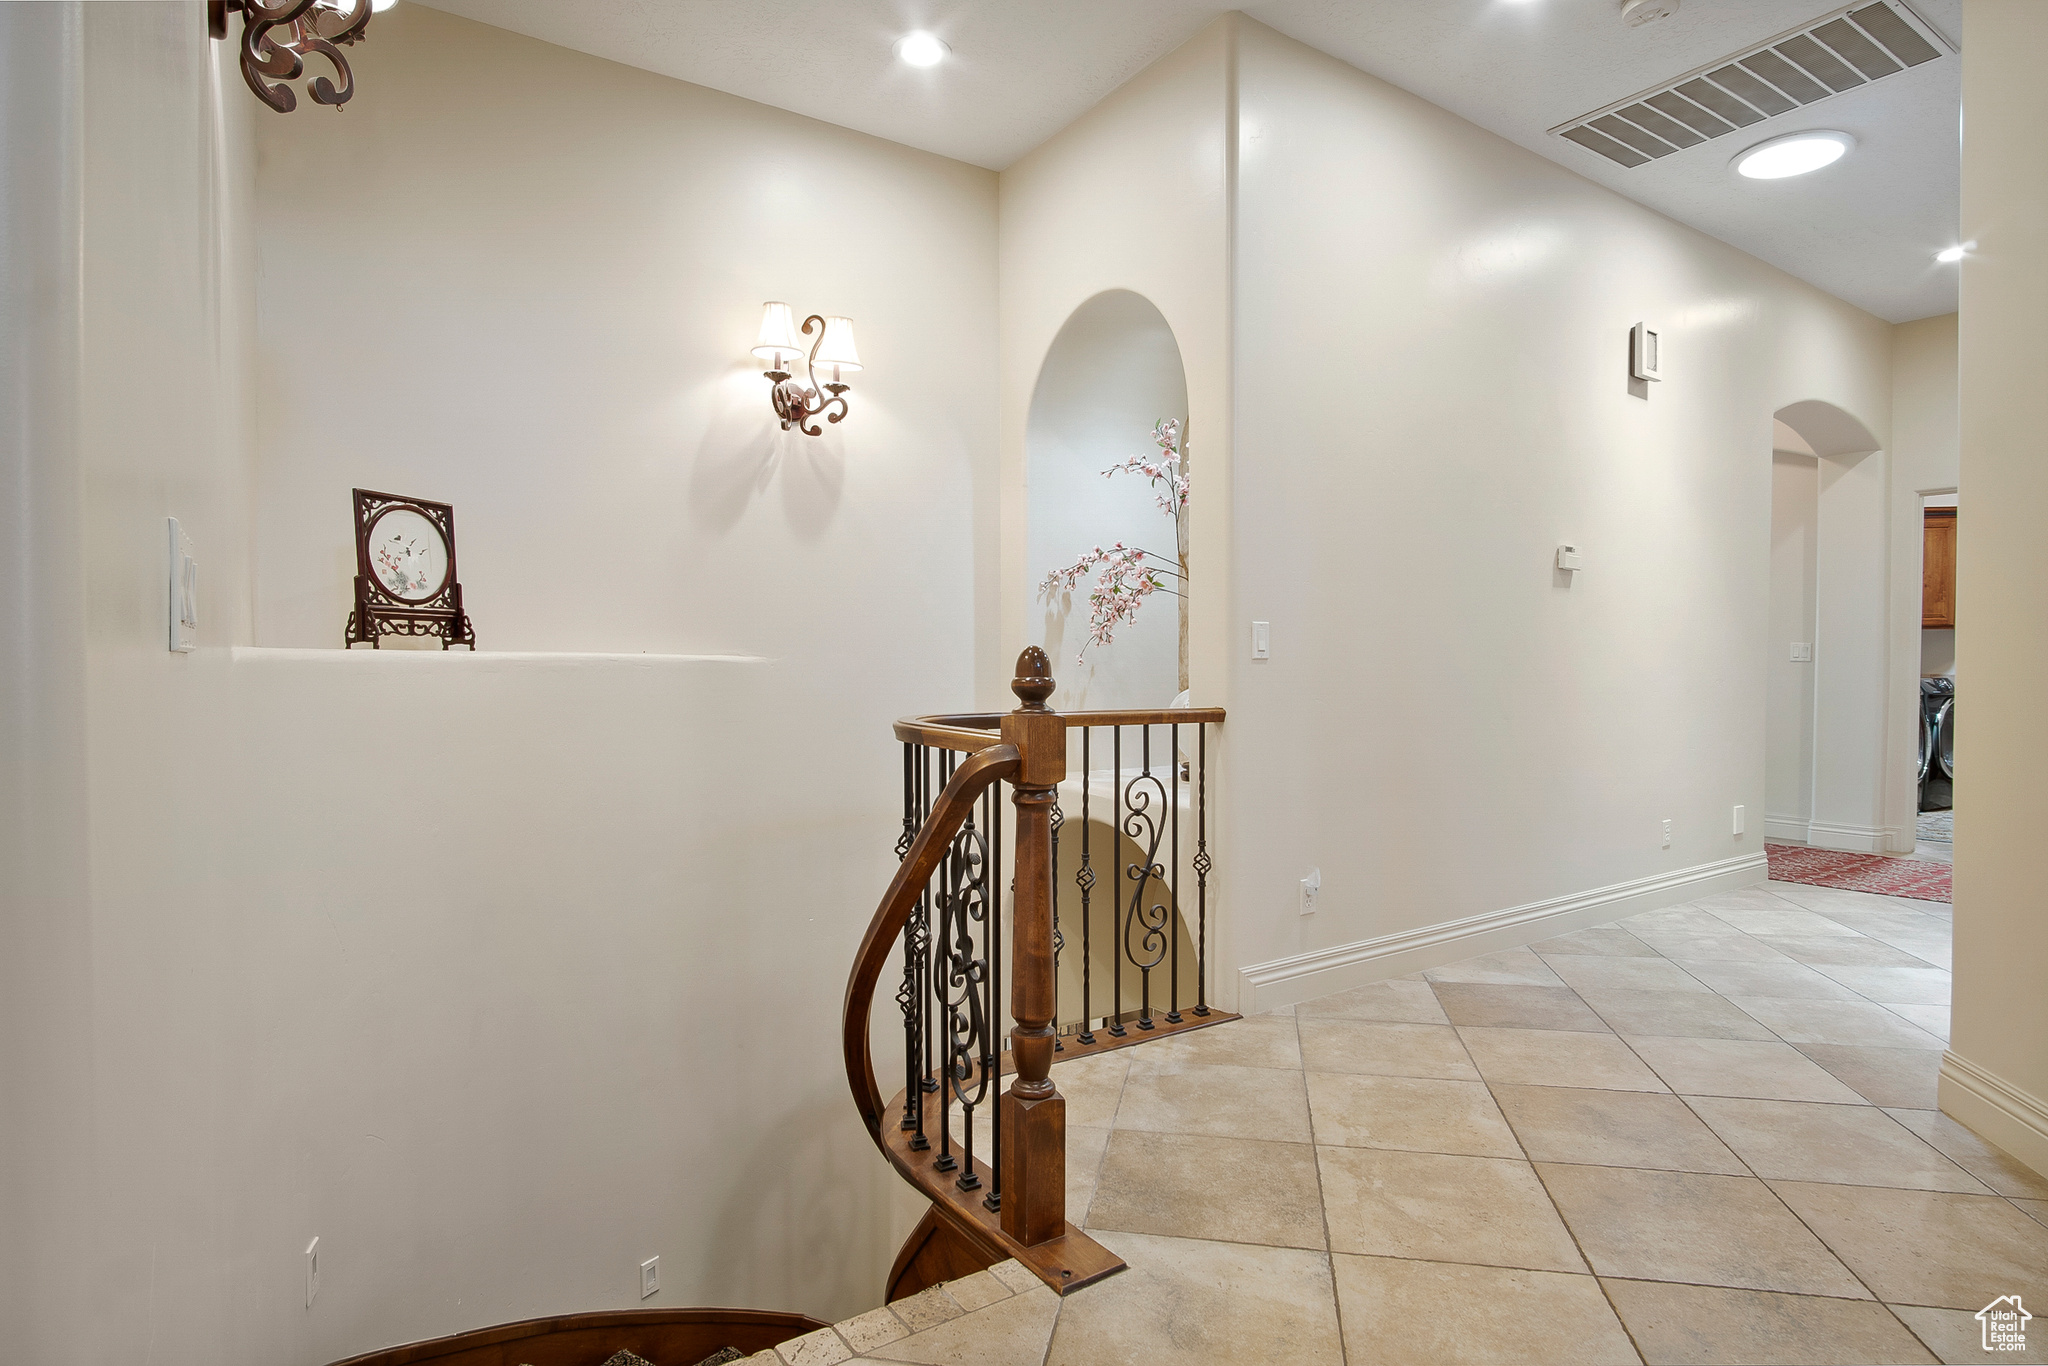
408, 555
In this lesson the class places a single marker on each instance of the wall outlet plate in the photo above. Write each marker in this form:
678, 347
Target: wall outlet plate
1740, 822
1667, 834
650, 1276
1311, 888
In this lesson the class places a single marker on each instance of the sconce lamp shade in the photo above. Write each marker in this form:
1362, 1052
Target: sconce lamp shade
778, 341
837, 349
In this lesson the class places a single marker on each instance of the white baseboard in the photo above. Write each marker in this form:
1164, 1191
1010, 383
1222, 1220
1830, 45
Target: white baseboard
1854, 839
1265, 986
2014, 1119
1792, 828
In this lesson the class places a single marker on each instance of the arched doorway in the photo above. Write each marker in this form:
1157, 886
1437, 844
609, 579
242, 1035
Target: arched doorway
1111, 373
1825, 715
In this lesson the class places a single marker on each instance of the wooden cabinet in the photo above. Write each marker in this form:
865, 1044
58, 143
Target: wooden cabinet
1938, 568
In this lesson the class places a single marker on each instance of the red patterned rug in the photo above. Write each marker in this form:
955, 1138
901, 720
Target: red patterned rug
1921, 879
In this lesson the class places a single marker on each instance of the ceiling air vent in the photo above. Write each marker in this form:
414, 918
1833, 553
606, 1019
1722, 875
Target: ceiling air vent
1838, 51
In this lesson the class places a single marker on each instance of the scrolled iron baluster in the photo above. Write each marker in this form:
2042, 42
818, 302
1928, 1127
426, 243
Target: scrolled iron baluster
1143, 825
909, 998
961, 978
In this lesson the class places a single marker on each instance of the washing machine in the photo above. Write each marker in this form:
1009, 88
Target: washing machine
1937, 743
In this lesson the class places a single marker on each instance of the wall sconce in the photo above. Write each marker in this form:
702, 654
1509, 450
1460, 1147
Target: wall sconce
278, 36
797, 403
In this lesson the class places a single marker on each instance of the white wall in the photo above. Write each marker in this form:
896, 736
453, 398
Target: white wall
45, 942
1449, 727
1995, 1077
1110, 375
1788, 716
498, 973
555, 269
1925, 458
1131, 196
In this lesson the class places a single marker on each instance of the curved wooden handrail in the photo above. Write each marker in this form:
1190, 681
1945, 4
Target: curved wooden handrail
1156, 716
944, 732
968, 732
989, 765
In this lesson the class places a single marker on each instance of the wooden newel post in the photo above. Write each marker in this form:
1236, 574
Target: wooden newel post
1034, 1115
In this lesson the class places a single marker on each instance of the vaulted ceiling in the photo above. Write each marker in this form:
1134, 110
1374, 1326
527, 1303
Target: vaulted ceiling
1865, 229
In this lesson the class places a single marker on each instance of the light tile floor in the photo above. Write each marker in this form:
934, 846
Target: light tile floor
1700, 1134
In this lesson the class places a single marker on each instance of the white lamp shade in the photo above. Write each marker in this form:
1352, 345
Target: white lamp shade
778, 341
837, 348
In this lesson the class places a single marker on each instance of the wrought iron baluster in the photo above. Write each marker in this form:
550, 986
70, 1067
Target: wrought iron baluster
1173, 886
910, 996
964, 904
1116, 854
1059, 940
1146, 929
928, 1081
938, 972
1085, 877
992, 948
1202, 867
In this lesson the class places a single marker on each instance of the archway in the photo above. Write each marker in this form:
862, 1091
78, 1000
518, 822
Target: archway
1112, 372
1840, 756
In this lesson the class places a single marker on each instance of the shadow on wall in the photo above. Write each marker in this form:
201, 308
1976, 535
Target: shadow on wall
745, 451
1113, 371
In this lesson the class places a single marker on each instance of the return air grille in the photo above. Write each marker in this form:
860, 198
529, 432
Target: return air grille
1839, 51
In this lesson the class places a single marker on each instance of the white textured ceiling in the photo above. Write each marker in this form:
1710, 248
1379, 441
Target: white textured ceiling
1865, 229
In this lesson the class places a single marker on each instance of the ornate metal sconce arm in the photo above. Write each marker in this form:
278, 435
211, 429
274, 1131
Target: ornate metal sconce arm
278, 36
799, 404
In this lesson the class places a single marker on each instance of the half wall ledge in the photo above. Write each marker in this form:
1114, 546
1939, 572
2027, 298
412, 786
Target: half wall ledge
272, 654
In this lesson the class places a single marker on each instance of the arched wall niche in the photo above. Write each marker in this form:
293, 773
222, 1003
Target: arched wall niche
1843, 750
1112, 371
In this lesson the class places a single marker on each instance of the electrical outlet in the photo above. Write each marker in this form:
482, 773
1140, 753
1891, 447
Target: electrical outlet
650, 1276
1667, 834
312, 1272
1311, 887
1738, 820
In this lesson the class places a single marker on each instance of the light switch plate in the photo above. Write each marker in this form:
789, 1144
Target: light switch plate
650, 1276
1568, 557
181, 598
1262, 640
1802, 652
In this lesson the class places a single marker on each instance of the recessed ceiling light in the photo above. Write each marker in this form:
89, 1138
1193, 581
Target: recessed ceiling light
1950, 255
922, 49
1793, 154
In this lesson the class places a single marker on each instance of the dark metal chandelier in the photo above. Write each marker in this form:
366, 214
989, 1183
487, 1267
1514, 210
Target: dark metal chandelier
279, 35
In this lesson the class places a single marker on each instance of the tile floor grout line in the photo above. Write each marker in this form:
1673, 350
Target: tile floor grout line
1572, 1234
1315, 1153
1811, 1231
1555, 1208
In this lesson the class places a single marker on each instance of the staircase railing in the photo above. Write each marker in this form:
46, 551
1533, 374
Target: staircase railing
993, 1163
